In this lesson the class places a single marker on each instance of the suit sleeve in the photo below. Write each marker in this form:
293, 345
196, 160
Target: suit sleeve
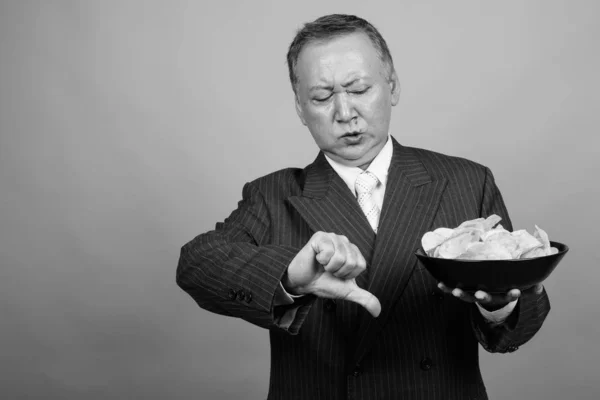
531, 309
234, 271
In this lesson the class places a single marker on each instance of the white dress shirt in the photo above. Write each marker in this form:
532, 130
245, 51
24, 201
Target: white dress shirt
380, 167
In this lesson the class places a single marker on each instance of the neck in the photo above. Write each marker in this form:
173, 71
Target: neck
365, 166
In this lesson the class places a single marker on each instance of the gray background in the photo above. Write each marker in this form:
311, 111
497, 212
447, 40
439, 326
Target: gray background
129, 127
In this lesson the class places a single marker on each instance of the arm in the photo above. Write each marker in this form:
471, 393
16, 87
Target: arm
532, 306
522, 324
234, 271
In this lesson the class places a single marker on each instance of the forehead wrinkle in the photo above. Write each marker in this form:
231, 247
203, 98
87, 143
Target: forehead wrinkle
360, 69
354, 78
342, 67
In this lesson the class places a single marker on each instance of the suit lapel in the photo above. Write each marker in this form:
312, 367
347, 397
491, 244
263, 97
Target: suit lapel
410, 203
328, 205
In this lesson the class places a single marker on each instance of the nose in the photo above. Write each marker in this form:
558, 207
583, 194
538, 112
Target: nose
344, 110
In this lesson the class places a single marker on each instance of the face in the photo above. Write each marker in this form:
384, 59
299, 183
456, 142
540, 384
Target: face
345, 96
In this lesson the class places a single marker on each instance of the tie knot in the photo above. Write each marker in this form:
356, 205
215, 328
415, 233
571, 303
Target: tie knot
365, 183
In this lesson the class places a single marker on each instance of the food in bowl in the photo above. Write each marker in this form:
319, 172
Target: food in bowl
486, 239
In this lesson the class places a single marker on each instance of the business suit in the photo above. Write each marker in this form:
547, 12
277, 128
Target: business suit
422, 346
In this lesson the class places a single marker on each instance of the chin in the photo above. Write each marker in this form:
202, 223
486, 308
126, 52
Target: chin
356, 160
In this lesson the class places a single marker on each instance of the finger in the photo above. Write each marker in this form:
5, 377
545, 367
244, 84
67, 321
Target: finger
512, 295
444, 288
482, 297
365, 299
462, 295
348, 256
344, 272
324, 249
340, 255
360, 264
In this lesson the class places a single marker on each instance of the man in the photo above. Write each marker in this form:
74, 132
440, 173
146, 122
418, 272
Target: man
323, 257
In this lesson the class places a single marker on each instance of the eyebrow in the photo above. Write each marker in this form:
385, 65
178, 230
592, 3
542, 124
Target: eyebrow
353, 81
330, 88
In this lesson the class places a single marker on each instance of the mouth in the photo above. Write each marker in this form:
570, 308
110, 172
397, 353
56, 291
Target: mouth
353, 138
351, 134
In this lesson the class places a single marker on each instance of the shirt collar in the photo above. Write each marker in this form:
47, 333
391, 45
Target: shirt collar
379, 166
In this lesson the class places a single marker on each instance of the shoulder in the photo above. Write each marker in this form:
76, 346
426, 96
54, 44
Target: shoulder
453, 168
282, 183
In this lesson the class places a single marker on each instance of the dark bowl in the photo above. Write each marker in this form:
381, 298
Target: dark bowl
492, 276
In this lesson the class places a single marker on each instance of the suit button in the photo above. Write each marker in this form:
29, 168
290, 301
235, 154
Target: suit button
232, 294
437, 294
241, 294
426, 364
357, 371
248, 297
329, 305
512, 349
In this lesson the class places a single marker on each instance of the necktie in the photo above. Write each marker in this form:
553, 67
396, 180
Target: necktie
364, 185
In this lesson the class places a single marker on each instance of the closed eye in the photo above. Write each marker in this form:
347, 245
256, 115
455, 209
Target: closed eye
360, 91
323, 99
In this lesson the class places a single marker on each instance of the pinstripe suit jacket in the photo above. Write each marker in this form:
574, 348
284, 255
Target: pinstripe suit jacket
424, 345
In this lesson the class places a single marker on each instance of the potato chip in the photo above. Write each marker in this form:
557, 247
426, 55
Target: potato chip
431, 240
457, 244
482, 224
477, 239
486, 251
542, 236
492, 232
527, 242
473, 223
537, 252
545, 249
445, 232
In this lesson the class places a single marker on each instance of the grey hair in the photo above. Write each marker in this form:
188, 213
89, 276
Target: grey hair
332, 26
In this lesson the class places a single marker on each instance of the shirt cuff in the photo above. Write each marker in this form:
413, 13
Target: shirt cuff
283, 298
499, 316
287, 318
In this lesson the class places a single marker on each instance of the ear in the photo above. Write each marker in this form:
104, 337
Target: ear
299, 110
395, 88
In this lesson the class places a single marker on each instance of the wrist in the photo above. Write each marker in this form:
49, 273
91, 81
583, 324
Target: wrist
288, 285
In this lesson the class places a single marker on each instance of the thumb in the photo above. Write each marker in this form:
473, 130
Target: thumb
365, 299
